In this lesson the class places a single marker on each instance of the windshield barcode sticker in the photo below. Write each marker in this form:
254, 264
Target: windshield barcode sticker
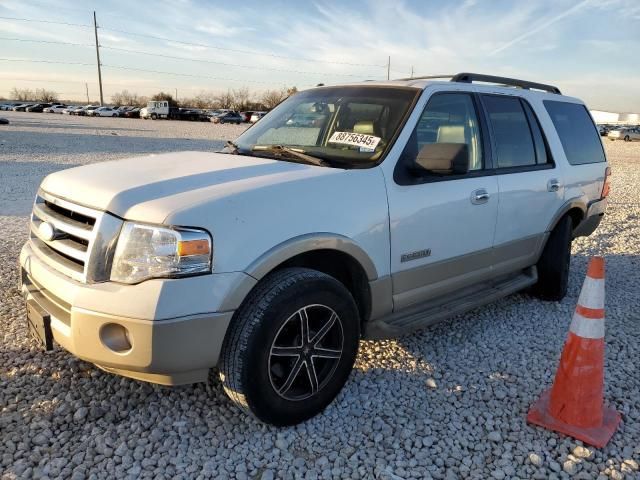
370, 142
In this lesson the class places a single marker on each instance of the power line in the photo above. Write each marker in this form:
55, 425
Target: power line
27, 60
120, 67
138, 52
204, 45
46, 41
197, 60
235, 50
45, 21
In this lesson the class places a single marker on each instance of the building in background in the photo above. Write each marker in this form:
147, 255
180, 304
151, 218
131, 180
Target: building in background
601, 117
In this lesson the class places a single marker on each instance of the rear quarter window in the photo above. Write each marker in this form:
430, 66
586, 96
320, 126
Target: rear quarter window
578, 134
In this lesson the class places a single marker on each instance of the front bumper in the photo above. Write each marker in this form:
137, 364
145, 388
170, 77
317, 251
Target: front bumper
592, 219
164, 345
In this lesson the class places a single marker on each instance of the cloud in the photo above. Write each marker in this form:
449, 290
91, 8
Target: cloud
546, 24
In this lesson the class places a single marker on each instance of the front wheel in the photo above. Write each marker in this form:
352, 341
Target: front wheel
154, 116
554, 263
291, 346
626, 139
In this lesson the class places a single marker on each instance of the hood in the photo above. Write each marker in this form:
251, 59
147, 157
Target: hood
151, 187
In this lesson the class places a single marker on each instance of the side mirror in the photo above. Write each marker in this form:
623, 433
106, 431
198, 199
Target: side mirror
442, 159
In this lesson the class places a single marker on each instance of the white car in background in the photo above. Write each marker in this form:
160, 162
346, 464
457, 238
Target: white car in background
71, 109
626, 134
255, 116
55, 109
103, 112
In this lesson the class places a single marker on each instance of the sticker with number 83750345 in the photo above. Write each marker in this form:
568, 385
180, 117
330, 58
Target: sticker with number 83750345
370, 142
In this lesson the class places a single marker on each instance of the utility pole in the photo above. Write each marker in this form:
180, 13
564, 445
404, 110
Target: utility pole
176, 95
86, 86
411, 71
389, 68
95, 30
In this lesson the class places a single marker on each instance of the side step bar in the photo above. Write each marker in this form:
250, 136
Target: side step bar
428, 313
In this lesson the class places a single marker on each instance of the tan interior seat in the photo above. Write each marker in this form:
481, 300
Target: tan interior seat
364, 127
451, 134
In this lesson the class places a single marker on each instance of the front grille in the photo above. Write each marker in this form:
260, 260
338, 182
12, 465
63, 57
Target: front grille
75, 230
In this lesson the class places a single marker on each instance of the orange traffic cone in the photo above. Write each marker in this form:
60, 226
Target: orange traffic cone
574, 405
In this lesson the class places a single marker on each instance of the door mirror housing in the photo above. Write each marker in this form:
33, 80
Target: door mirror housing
442, 159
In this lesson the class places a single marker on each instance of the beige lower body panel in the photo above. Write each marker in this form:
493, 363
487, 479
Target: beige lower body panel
430, 281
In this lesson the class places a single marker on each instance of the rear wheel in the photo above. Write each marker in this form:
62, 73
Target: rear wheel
291, 346
553, 266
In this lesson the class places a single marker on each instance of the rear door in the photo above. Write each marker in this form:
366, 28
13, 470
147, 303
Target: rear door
530, 184
441, 225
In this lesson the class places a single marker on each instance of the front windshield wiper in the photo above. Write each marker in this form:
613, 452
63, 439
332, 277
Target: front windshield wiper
298, 154
233, 148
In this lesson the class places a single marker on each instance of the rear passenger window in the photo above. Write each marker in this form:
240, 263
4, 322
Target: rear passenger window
514, 143
577, 132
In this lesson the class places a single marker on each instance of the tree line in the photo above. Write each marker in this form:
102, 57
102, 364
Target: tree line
236, 99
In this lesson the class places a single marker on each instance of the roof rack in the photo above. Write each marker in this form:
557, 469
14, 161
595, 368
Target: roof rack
479, 77
513, 82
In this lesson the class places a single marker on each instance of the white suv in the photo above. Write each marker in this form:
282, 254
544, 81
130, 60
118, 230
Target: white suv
396, 205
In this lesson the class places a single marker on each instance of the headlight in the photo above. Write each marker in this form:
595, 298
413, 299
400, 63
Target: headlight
147, 251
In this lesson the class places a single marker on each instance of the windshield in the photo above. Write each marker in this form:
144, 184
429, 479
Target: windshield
349, 125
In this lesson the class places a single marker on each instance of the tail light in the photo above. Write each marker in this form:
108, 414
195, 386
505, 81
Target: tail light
607, 183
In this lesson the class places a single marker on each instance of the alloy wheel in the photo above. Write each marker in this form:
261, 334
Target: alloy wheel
305, 352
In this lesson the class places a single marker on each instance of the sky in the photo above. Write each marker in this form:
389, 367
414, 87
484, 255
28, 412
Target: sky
588, 48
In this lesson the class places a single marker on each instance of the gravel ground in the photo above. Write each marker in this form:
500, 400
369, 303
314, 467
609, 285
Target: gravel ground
448, 402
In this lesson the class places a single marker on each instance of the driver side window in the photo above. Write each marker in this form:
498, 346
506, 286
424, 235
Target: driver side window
450, 118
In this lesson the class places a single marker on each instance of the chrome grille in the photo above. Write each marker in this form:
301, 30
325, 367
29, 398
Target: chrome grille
76, 249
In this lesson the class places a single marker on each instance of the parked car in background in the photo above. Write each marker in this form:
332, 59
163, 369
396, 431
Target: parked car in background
228, 117
22, 107
628, 134
37, 108
102, 112
134, 112
246, 116
255, 116
55, 109
9, 106
70, 109
122, 109
85, 110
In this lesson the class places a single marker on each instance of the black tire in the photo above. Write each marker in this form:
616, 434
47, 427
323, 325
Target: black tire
256, 362
626, 139
554, 263
154, 116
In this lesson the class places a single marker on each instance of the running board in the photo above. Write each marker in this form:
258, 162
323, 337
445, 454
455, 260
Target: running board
433, 311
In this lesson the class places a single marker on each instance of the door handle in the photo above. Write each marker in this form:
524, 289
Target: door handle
553, 185
479, 196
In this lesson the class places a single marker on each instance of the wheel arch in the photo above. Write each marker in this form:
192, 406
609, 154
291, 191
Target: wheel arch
332, 254
576, 208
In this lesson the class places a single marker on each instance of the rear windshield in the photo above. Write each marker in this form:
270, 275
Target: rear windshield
353, 124
578, 134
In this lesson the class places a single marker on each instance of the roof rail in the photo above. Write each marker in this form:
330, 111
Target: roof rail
513, 82
479, 77
425, 77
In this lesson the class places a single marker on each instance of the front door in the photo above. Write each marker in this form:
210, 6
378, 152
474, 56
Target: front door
442, 223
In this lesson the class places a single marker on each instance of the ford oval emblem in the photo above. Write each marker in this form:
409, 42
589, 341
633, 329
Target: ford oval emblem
46, 231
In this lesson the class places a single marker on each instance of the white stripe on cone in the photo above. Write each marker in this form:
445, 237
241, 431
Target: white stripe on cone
592, 293
587, 327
